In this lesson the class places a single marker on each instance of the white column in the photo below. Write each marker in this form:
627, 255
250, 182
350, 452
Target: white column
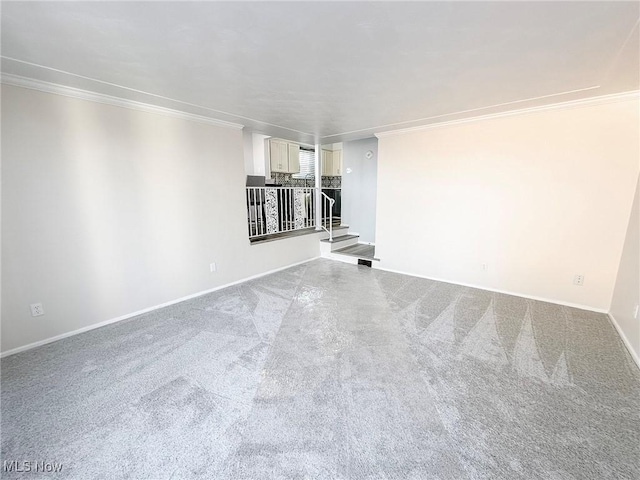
318, 176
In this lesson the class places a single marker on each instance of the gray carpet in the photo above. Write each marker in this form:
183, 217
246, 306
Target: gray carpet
332, 371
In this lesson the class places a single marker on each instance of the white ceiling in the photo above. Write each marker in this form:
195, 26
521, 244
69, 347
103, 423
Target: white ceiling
328, 71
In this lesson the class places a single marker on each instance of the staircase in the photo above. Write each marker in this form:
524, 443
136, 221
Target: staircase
345, 247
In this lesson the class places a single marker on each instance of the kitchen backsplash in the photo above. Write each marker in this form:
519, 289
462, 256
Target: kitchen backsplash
287, 180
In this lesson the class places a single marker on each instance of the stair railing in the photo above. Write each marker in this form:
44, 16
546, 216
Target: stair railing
274, 210
328, 204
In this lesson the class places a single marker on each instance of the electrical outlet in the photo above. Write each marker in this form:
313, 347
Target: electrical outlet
485, 267
212, 267
578, 279
36, 309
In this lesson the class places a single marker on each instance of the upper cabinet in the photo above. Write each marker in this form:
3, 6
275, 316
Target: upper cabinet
337, 163
278, 156
284, 157
327, 162
332, 163
294, 157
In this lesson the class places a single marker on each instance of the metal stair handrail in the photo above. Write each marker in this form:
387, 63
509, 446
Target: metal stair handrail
327, 199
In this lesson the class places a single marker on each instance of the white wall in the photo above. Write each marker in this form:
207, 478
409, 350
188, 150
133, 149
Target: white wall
107, 211
359, 184
259, 158
538, 197
626, 296
247, 146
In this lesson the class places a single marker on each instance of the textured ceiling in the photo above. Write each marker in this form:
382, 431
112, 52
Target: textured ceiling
328, 71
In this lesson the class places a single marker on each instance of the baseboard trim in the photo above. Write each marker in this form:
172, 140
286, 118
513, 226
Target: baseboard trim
62, 336
624, 338
506, 292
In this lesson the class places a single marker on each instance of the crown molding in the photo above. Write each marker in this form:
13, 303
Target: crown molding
599, 100
42, 86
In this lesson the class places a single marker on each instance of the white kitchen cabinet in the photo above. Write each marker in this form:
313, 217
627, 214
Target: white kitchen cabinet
327, 162
278, 156
294, 157
332, 163
284, 157
336, 166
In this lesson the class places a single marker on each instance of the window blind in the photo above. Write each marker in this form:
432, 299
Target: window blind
307, 164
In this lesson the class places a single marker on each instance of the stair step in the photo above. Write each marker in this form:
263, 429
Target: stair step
340, 238
341, 258
340, 230
339, 241
358, 250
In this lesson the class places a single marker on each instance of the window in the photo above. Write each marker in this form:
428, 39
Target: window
307, 163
